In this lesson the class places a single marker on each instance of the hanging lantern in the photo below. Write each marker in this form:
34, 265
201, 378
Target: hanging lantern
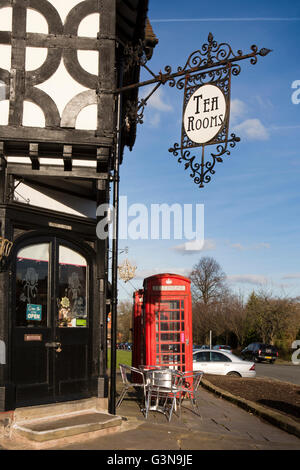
126, 270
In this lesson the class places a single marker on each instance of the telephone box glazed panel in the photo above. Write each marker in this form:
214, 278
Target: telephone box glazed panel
167, 322
137, 343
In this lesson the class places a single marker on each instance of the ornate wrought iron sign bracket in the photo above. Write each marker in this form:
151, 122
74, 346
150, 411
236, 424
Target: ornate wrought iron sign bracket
206, 80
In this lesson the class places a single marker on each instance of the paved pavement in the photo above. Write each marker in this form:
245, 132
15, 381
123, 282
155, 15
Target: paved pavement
285, 372
222, 426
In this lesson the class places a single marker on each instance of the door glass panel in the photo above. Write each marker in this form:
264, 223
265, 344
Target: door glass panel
72, 289
32, 286
170, 328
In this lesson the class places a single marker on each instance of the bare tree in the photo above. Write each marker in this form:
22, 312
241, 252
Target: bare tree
272, 318
124, 322
236, 317
208, 280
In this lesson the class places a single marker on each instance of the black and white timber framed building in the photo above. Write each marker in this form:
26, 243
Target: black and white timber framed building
54, 289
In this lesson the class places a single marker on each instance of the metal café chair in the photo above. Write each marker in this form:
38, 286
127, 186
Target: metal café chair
162, 387
155, 366
146, 368
189, 386
128, 383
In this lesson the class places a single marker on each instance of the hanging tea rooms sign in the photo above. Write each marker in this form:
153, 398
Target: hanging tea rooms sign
204, 115
206, 80
206, 110
206, 107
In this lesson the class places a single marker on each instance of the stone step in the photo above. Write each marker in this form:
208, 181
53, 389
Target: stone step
54, 409
61, 426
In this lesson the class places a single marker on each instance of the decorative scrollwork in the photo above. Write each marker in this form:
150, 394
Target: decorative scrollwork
202, 172
135, 112
134, 55
212, 54
221, 75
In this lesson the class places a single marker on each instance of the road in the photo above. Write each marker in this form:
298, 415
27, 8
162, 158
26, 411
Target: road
285, 372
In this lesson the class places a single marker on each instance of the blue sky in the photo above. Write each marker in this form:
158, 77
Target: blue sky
252, 204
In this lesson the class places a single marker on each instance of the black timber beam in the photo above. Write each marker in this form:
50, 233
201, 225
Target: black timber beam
19, 169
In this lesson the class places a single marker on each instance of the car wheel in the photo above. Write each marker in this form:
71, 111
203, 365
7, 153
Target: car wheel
234, 374
271, 361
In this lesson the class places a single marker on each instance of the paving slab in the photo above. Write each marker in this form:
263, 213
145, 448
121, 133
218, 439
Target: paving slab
221, 426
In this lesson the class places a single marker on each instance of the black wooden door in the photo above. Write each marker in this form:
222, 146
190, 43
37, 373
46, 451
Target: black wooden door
72, 323
51, 331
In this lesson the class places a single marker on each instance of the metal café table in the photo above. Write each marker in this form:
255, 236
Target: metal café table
162, 388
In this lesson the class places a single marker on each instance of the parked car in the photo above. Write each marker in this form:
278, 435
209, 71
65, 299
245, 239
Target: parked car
126, 346
197, 346
222, 363
223, 347
259, 352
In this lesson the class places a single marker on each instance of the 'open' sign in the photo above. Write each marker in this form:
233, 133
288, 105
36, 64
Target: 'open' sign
34, 312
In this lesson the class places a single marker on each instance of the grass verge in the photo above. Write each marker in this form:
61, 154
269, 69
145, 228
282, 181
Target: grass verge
123, 357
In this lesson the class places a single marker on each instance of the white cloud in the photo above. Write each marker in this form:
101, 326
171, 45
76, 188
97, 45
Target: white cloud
284, 128
144, 273
262, 245
195, 246
252, 129
265, 103
257, 246
238, 246
157, 101
255, 279
154, 120
238, 109
291, 276
156, 105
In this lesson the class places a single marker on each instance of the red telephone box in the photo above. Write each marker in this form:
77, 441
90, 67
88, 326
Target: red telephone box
166, 323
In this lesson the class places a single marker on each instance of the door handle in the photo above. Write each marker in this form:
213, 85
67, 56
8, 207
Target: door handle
55, 345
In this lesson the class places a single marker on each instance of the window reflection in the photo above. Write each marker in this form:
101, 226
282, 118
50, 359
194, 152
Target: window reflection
32, 285
72, 302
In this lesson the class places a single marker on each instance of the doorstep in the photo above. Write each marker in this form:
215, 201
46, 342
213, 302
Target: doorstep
63, 426
56, 421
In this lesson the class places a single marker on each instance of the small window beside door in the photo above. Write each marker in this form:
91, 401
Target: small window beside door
72, 289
